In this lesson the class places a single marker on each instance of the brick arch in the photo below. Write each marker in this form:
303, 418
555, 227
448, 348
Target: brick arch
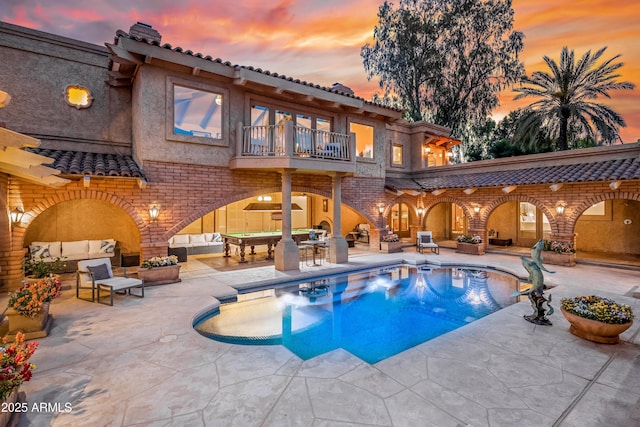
446, 199
486, 213
235, 197
592, 200
66, 196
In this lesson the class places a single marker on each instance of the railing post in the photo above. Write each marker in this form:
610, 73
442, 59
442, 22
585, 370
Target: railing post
239, 139
352, 148
289, 138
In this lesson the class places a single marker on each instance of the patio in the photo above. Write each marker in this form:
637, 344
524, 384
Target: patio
140, 361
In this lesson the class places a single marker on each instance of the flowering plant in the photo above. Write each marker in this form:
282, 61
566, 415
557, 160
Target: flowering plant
558, 247
463, 238
39, 269
159, 261
15, 368
598, 308
390, 238
30, 297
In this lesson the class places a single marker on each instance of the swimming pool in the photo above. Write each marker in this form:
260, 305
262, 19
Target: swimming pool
373, 314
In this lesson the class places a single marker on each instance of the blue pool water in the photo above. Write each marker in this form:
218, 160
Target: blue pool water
373, 314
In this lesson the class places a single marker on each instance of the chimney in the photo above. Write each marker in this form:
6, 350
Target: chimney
145, 31
339, 87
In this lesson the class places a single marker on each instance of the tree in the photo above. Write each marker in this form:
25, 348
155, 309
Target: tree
566, 111
446, 60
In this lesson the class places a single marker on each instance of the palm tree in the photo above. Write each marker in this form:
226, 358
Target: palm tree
566, 103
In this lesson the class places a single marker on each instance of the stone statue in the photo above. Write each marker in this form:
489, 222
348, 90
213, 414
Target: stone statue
536, 294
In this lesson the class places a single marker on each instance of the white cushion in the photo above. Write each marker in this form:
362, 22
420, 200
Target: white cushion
78, 249
104, 247
196, 238
208, 237
180, 239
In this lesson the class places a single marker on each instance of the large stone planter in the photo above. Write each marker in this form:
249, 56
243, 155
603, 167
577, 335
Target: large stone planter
592, 330
390, 247
160, 275
568, 260
36, 327
470, 248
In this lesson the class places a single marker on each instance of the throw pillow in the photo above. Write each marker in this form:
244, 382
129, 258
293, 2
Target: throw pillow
39, 251
107, 247
425, 239
100, 272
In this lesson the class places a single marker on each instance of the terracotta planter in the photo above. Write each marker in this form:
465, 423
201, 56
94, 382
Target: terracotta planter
33, 279
390, 247
568, 260
470, 248
592, 330
160, 275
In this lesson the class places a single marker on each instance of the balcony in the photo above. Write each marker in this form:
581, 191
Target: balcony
293, 147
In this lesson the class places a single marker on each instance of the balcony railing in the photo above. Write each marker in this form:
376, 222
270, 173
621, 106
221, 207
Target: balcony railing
294, 141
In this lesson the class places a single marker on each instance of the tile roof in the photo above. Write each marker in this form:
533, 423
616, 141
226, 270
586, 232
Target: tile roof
606, 170
251, 68
93, 164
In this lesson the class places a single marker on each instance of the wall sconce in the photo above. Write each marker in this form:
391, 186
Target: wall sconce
420, 212
16, 216
614, 185
469, 191
438, 191
508, 189
476, 208
560, 208
380, 208
154, 212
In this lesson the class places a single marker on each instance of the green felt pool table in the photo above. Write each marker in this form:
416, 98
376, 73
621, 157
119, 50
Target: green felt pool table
252, 239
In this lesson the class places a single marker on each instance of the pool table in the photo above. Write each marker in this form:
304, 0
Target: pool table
252, 239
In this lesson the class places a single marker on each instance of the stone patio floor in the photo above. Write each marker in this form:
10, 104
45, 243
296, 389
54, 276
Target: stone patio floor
141, 363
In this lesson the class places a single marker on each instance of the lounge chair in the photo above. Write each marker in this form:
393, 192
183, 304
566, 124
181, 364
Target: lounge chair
425, 241
97, 275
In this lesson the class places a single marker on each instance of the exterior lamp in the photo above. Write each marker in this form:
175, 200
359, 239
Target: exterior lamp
16, 216
560, 208
420, 211
476, 208
154, 212
380, 208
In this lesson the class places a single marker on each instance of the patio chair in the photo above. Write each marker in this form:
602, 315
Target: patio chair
97, 275
425, 240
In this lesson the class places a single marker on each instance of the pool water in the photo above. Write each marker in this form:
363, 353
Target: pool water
373, 314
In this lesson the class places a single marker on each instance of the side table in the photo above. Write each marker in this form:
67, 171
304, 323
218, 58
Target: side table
130, 259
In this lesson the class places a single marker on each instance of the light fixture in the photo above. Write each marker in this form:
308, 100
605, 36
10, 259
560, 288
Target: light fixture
264, 198
426, 150
476, 208
508, 189
555, 187
614, 185
16, 216
154, 212
219, 100
560, 208
380, 208
420, 211
469, 191
86, 181
438, 191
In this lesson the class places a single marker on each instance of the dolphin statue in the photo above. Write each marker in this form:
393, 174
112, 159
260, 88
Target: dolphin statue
536, 255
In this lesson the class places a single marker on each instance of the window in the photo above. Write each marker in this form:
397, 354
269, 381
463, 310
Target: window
197, 113
78, 96
396, 155
364, 139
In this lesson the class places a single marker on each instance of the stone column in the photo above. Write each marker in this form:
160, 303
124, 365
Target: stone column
338, 246
286, 251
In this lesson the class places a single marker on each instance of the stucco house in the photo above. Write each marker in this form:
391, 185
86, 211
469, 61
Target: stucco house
139, 141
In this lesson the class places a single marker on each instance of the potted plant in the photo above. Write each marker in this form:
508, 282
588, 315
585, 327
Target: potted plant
160, 270
28, 307
558, 253
390, 243
471, 245
35, 269
15, 370
597, 318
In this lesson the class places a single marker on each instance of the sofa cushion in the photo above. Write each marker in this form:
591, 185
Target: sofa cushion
100, 272
197, 239
425, 239
180, 239
102, 247
78, 249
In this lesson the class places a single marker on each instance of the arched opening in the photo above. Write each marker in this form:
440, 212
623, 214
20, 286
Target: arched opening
610, 227
517, 223
85, 219
447, 221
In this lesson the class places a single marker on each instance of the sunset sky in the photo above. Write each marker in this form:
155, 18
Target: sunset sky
319, 40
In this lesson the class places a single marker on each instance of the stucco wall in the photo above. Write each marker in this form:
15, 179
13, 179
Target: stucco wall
610, 234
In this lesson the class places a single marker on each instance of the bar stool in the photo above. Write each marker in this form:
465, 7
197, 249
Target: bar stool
304, 254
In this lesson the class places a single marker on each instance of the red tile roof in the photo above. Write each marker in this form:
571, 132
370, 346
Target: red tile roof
93, 164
